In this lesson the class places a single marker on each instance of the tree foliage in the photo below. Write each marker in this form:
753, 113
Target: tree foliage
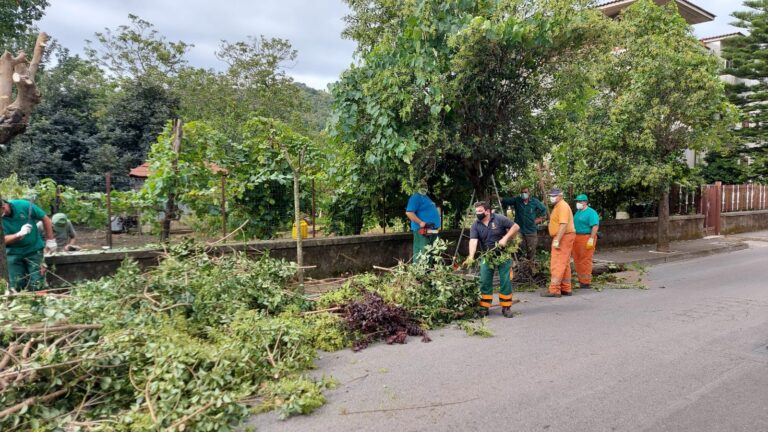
137, 50
746, 59
17, 19
650, 112
452, 91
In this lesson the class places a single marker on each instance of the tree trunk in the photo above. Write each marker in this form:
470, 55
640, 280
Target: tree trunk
297, 222
170, 204
14, 116
3, 257
662, 242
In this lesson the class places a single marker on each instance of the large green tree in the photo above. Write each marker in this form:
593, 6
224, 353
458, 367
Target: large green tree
656, 96
17, 22
747, 61
137, 50
453, 91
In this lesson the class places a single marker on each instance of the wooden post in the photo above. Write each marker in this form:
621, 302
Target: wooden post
662, 240
314, 211
109, 210
3, 257
718, 205
57, 203
170, 204
297, 222
223, 205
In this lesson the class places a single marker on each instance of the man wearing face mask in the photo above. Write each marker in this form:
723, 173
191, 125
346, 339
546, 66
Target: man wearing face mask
492, 231
529, 212
563, 234
425, 221
586, 222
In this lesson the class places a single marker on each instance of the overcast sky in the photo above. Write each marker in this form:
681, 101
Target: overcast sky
313, 27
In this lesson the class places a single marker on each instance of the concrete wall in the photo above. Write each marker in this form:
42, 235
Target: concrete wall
739, 222
355, 254
645, 230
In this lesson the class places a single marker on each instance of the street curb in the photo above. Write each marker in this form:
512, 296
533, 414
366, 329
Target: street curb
737, 246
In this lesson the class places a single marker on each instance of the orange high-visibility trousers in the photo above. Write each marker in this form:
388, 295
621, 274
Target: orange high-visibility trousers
582, 258
560, 265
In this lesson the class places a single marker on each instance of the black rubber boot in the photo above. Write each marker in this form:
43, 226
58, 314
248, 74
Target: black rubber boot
584, 286
507, 312
483, 312
549, 294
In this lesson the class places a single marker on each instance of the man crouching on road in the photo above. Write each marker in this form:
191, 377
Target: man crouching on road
491, 231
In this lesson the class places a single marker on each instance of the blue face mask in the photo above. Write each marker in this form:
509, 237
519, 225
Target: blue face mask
524, 195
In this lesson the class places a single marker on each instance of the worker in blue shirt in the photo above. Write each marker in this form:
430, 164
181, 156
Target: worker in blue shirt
425, 221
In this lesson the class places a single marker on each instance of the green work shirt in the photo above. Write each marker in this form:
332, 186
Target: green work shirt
526, 213
585, 219
63, 233
23, 212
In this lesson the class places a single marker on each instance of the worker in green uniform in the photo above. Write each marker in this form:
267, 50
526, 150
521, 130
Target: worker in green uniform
24, 245
491, 232
529, 213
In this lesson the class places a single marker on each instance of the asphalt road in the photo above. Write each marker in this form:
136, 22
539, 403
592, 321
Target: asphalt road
688, 354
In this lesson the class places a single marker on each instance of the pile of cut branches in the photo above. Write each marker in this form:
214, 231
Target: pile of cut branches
200, 342
190, 345
406, 301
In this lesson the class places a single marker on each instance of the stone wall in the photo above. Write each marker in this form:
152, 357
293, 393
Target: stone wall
745, 221
335, 256
645, 230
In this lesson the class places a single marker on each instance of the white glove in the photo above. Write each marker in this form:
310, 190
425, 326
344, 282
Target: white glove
25, 229
51, 245
556, 244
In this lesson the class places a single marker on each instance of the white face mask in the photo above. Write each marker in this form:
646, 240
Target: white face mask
553, 199
580, 206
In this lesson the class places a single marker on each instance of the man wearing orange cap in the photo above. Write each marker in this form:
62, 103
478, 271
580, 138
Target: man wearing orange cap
563, 234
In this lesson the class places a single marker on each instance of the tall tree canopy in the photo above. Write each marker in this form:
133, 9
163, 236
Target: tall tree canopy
656, 96
17, 19
453, 89
747, 60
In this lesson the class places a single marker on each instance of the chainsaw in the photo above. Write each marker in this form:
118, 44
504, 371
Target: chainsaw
428, 230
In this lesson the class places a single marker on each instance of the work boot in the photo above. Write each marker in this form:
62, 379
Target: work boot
550, 294
584, 286
566, 293
483, 312
507, 312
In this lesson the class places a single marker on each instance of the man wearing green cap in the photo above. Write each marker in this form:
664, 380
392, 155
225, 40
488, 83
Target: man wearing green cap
64, 232
24, 245
587, 222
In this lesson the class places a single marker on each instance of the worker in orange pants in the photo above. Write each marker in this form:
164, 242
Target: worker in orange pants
563, 235
587, 222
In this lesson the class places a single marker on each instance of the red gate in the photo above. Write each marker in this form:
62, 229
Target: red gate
711, 207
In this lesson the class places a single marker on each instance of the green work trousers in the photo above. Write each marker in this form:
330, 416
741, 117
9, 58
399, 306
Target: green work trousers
486, 284
24, 271
419, 243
